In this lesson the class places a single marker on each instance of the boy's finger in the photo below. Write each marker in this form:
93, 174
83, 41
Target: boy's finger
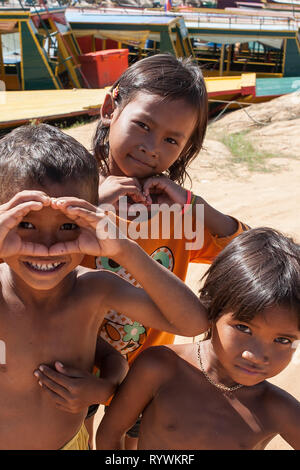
33, 249
23, 209
12, 217
53, 380
26, 196
65, 202
64, 248
58, 399
86, 244
68, 371
84, 217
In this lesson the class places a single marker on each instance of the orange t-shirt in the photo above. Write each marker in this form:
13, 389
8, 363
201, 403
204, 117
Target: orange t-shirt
128, 337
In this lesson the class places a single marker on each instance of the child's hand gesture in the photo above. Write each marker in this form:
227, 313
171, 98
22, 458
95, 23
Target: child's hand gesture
162, 190
99, 236
11, 214
72, 390
114, 187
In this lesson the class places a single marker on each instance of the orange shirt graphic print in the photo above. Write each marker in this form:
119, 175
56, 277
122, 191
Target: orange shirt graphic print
118, 330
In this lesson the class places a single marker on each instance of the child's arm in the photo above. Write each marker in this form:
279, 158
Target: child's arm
169, 306
113, 368
164, 303
148, 372
169, 192
73, 390
285, 410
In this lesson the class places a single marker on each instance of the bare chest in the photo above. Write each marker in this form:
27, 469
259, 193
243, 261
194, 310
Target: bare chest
188, 415
67, 335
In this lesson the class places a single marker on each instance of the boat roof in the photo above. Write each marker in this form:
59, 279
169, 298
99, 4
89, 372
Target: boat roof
87, 17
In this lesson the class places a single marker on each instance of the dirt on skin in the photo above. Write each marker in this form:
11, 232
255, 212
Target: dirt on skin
258, 198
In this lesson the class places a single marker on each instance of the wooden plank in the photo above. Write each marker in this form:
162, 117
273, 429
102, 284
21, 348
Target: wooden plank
17, 107
23, 106
216, 85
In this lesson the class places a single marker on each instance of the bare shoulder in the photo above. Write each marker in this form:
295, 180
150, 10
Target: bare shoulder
281, 405
156, 361
188, 352
277, 395
98, 281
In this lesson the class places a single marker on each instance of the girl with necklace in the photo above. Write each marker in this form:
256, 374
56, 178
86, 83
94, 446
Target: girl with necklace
215, 394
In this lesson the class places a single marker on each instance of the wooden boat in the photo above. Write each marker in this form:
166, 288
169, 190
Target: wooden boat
45, 105
38, 50
142, 33
225, 42
37, 65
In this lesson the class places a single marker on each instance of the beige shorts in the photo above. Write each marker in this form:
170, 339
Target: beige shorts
79, 442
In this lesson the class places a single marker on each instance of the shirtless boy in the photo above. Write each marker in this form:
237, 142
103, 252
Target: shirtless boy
50, 307
214, 394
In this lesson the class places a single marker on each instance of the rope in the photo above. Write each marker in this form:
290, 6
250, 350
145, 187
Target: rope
241, 106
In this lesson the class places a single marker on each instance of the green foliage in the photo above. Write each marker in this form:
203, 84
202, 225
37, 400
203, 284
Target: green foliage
243, 152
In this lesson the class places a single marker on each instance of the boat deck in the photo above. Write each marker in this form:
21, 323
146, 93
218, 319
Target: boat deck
20, 107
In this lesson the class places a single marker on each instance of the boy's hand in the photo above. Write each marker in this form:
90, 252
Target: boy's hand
99, 236
162, 190
11, 214
72, 390
114, 187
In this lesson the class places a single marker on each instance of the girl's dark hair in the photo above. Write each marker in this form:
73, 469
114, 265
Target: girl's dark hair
35, 154
173, 79
259, 269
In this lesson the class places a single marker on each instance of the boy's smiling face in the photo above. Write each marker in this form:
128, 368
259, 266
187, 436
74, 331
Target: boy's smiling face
250, 352
47, 227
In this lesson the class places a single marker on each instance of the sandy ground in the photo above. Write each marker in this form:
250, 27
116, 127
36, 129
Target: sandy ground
259, 199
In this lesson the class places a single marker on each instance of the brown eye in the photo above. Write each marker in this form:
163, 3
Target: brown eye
282, 340
243, 328
26, 225
171, 141
143, 125
69, 226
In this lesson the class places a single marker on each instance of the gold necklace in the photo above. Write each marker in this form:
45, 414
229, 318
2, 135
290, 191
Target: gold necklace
222, 387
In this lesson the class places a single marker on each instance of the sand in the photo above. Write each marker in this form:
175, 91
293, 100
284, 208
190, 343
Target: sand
257, 198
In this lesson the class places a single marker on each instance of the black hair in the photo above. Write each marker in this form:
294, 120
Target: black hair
37, 154
258, 269
173, 79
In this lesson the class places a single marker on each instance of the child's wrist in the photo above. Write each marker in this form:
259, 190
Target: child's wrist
126, 252
190, 201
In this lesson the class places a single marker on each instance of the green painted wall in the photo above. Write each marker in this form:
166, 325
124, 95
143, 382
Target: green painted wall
165, 42
292, 61
276, 86
36, 74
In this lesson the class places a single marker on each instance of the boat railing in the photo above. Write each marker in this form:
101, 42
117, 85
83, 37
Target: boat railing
199, 19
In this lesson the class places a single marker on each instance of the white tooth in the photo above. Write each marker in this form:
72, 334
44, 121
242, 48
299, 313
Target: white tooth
44, 267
